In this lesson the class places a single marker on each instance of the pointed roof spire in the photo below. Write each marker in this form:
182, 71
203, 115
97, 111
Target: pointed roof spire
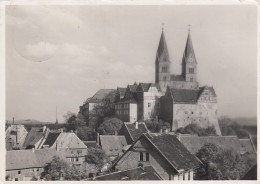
189, 51
162, 48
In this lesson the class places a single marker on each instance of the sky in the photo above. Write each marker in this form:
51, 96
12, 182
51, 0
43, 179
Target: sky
61, 55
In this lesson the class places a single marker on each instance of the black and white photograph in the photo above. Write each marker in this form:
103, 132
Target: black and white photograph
126, 91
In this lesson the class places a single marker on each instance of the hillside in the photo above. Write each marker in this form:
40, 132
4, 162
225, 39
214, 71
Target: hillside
28, 121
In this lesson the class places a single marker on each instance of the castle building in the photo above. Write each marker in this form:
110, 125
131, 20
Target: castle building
184, 102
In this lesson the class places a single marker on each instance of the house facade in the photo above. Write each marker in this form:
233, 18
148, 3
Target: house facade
164, 152
15, 135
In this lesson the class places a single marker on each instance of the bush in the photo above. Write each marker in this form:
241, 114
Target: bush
196, 129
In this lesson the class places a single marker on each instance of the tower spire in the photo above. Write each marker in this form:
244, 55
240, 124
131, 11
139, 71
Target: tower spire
189, 51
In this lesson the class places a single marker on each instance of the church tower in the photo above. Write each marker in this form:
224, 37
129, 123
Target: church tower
189, 62
162, 64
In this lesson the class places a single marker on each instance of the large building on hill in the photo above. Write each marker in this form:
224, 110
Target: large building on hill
184, 101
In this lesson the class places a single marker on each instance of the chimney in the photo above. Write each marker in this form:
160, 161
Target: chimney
97, 138
33, 149
136, 125
166, 130
43, 128
116, 133
160, 130
76, 132
61, 130
57, 146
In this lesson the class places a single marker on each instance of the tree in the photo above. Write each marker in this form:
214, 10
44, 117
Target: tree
220, 164
72, 121
110, 126
55, 170
97, 157
154, 125
103, 109
58, 169
85, 133
196, 129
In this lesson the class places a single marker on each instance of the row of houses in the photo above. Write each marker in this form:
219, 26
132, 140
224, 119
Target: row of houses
135, 153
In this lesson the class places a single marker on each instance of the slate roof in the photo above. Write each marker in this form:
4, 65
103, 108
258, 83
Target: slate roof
173, 150
133, 132
52, 136
210, 88
177, 78
21, 159
112, 144
101, 95
189, 51
146, 173
133, 87
121, 92
194, 142
131, 100
33, 136
162, 47
91, 144
146, 86
185, 95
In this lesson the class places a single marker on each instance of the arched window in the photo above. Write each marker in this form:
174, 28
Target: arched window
164, 78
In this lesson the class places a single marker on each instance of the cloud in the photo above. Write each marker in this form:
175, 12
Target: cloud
40, 51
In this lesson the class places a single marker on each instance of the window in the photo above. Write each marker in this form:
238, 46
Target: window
141, 156
164, 69
149, 104
164, 78
191, 70
191, 79
38, 169
16, 179
77, 159
19, 172
147, 157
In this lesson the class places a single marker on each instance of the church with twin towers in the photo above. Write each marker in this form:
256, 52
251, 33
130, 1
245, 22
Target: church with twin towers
184, 102
176, 99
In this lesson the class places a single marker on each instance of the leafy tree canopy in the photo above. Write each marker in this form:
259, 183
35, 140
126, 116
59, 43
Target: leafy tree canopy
196, 129
154, 125
220, 164
58, 169
97, 157
110, 126
86, 133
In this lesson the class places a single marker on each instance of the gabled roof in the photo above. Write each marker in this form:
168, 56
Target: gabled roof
35, 135
185, 95
68, 140
173, 151
146, 173
121, 92
130, 100
51, 138
112, 144
194, 142
101, 95
146, 86
134, 132
210, 88
22, 159
162, 47
133, 87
